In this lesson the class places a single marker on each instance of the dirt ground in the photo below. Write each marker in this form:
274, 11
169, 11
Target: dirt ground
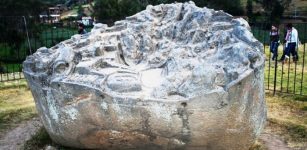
15, 138
270, 141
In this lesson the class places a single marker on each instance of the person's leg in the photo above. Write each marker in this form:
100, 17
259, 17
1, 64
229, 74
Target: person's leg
287, 52
271, 47
294, 52
276, 44
275, 50
282, 58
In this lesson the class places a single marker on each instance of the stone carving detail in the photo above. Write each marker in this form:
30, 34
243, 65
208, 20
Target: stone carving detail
174, 76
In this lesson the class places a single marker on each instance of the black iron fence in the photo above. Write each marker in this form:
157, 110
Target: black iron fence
284, 76
13, 47
23, 36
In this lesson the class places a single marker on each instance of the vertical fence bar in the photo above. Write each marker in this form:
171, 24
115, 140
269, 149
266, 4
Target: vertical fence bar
13, 71
1, 65
7, 72
294, 83
57, 34
45, 31
52, 37
262, 35
18, 58
295, 66
275, 76
26, 29
303, 63
269, 71
282, 71
62, 34
288, 80
275, 70
35, 43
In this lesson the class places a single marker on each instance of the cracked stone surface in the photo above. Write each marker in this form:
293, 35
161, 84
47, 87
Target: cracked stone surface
174, 76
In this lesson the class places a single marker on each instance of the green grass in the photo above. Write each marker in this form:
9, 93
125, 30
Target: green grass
290, 77
41, 140
13, 84
50, 36
16, 105
38, 141
11, 68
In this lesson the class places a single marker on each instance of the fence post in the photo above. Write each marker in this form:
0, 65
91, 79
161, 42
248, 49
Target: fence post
303, 60
275, 76
24, 19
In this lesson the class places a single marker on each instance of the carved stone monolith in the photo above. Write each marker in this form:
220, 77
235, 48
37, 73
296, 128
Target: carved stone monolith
174, 76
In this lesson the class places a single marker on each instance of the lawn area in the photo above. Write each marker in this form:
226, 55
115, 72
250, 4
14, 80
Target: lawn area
290, 77
287, 117
16, 106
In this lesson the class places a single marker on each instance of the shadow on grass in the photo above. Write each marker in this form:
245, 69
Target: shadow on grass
41, 140
300, 98
10, 118
295, 132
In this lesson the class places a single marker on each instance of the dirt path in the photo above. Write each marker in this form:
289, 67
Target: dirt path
14, 139
273, 142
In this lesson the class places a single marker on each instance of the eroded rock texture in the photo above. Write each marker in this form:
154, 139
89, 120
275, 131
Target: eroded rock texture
173, 76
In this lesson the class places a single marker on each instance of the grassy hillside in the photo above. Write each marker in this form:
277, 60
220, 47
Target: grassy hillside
300, 5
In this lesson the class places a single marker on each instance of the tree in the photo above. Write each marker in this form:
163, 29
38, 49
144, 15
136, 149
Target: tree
106, 10
130, 7
233, 7
274, 9
21, 8
80, 11
249, 10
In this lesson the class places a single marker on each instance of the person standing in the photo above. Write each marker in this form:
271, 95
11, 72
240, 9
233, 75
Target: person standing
274, 38
291, 41
81, 29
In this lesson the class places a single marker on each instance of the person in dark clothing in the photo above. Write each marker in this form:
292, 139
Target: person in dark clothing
274, 38
81, 29
291, 43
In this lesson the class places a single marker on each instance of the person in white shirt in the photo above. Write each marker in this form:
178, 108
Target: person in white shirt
291, 41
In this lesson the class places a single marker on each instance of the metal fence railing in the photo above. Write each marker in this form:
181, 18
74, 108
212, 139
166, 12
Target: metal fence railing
13, 47
23, 36
284, 77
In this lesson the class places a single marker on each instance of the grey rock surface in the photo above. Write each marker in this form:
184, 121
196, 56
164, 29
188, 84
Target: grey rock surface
174, 76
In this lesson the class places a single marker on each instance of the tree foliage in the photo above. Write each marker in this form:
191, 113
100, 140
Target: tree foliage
274, 9
21, 7
249, 10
